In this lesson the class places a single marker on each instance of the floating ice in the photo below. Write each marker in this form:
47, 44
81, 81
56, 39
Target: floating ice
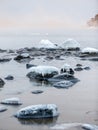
89, 50
2, 108
44, 70
11, 101
70, 44
38, 111
89, 127
46, 44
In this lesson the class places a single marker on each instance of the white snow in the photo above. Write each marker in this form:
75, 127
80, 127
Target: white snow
89, 50
2, 108
44, 69
89, 127
13, 101
34, 109
45, 43
70, 44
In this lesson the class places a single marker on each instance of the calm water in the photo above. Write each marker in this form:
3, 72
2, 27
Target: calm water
76, 104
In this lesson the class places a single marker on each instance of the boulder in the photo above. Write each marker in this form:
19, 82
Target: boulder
42, 72
2, 108
71, 45
22, 57
88, 51
11, 101
63, 84
67, 68
38, 111
1, 82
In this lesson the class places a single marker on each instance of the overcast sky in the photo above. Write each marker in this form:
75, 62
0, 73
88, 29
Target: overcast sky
46, 14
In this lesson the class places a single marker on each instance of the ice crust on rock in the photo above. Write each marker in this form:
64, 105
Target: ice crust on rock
89, 50
11, 101
43, 70
2, 108
38, 111
45, 43
70, 44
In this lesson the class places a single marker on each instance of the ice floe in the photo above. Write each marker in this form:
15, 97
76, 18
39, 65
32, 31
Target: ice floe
38, 111
11, 101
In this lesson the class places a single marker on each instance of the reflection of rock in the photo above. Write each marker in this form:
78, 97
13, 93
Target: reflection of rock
71, 45
46, 121
9, 77
1, 82
63, 84
38, 111
2, 108
11, 101
42, 72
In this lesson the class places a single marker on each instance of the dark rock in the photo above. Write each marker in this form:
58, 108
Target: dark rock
30, 65
93, 59
1, 50
78, 69
78, 65
20, 57
9, 77
1, 82
38, 111
5, 59
86, 68
37, 91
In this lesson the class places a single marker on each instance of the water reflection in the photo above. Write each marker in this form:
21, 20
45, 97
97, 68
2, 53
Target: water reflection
45, 121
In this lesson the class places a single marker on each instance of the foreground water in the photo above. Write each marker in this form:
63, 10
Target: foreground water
78, 104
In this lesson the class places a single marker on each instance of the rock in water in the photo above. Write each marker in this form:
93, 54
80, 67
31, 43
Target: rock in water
42, 72
71, 45
37, 91
11, 101
90, 51
1, 82
2, 108
67, 68
9, 77
38, 111
63, 84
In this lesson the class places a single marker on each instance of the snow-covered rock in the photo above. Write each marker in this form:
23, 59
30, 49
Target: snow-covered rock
46, 44
89, 50
40, 72
2, 108
11, 101
67, 68
38, 111
89, 127
71, 44
63, 84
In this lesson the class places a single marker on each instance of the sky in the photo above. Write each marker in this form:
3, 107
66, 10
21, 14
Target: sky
46, 14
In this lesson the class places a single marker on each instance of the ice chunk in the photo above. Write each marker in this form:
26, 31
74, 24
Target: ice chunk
46, 44
2, 108
89, 50
38, 111
89, 127
70, 44
11, 101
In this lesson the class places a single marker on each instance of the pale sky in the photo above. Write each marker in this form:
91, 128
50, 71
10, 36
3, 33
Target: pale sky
46, 14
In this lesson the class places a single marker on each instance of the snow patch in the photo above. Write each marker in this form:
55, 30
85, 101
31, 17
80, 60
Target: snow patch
89, 50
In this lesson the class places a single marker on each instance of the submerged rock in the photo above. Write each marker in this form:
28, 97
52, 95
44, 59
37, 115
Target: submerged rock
71, 45
62, 77
42, 72
1, 82
9, 77
2, 108
63, 84
11, 101
38, 111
